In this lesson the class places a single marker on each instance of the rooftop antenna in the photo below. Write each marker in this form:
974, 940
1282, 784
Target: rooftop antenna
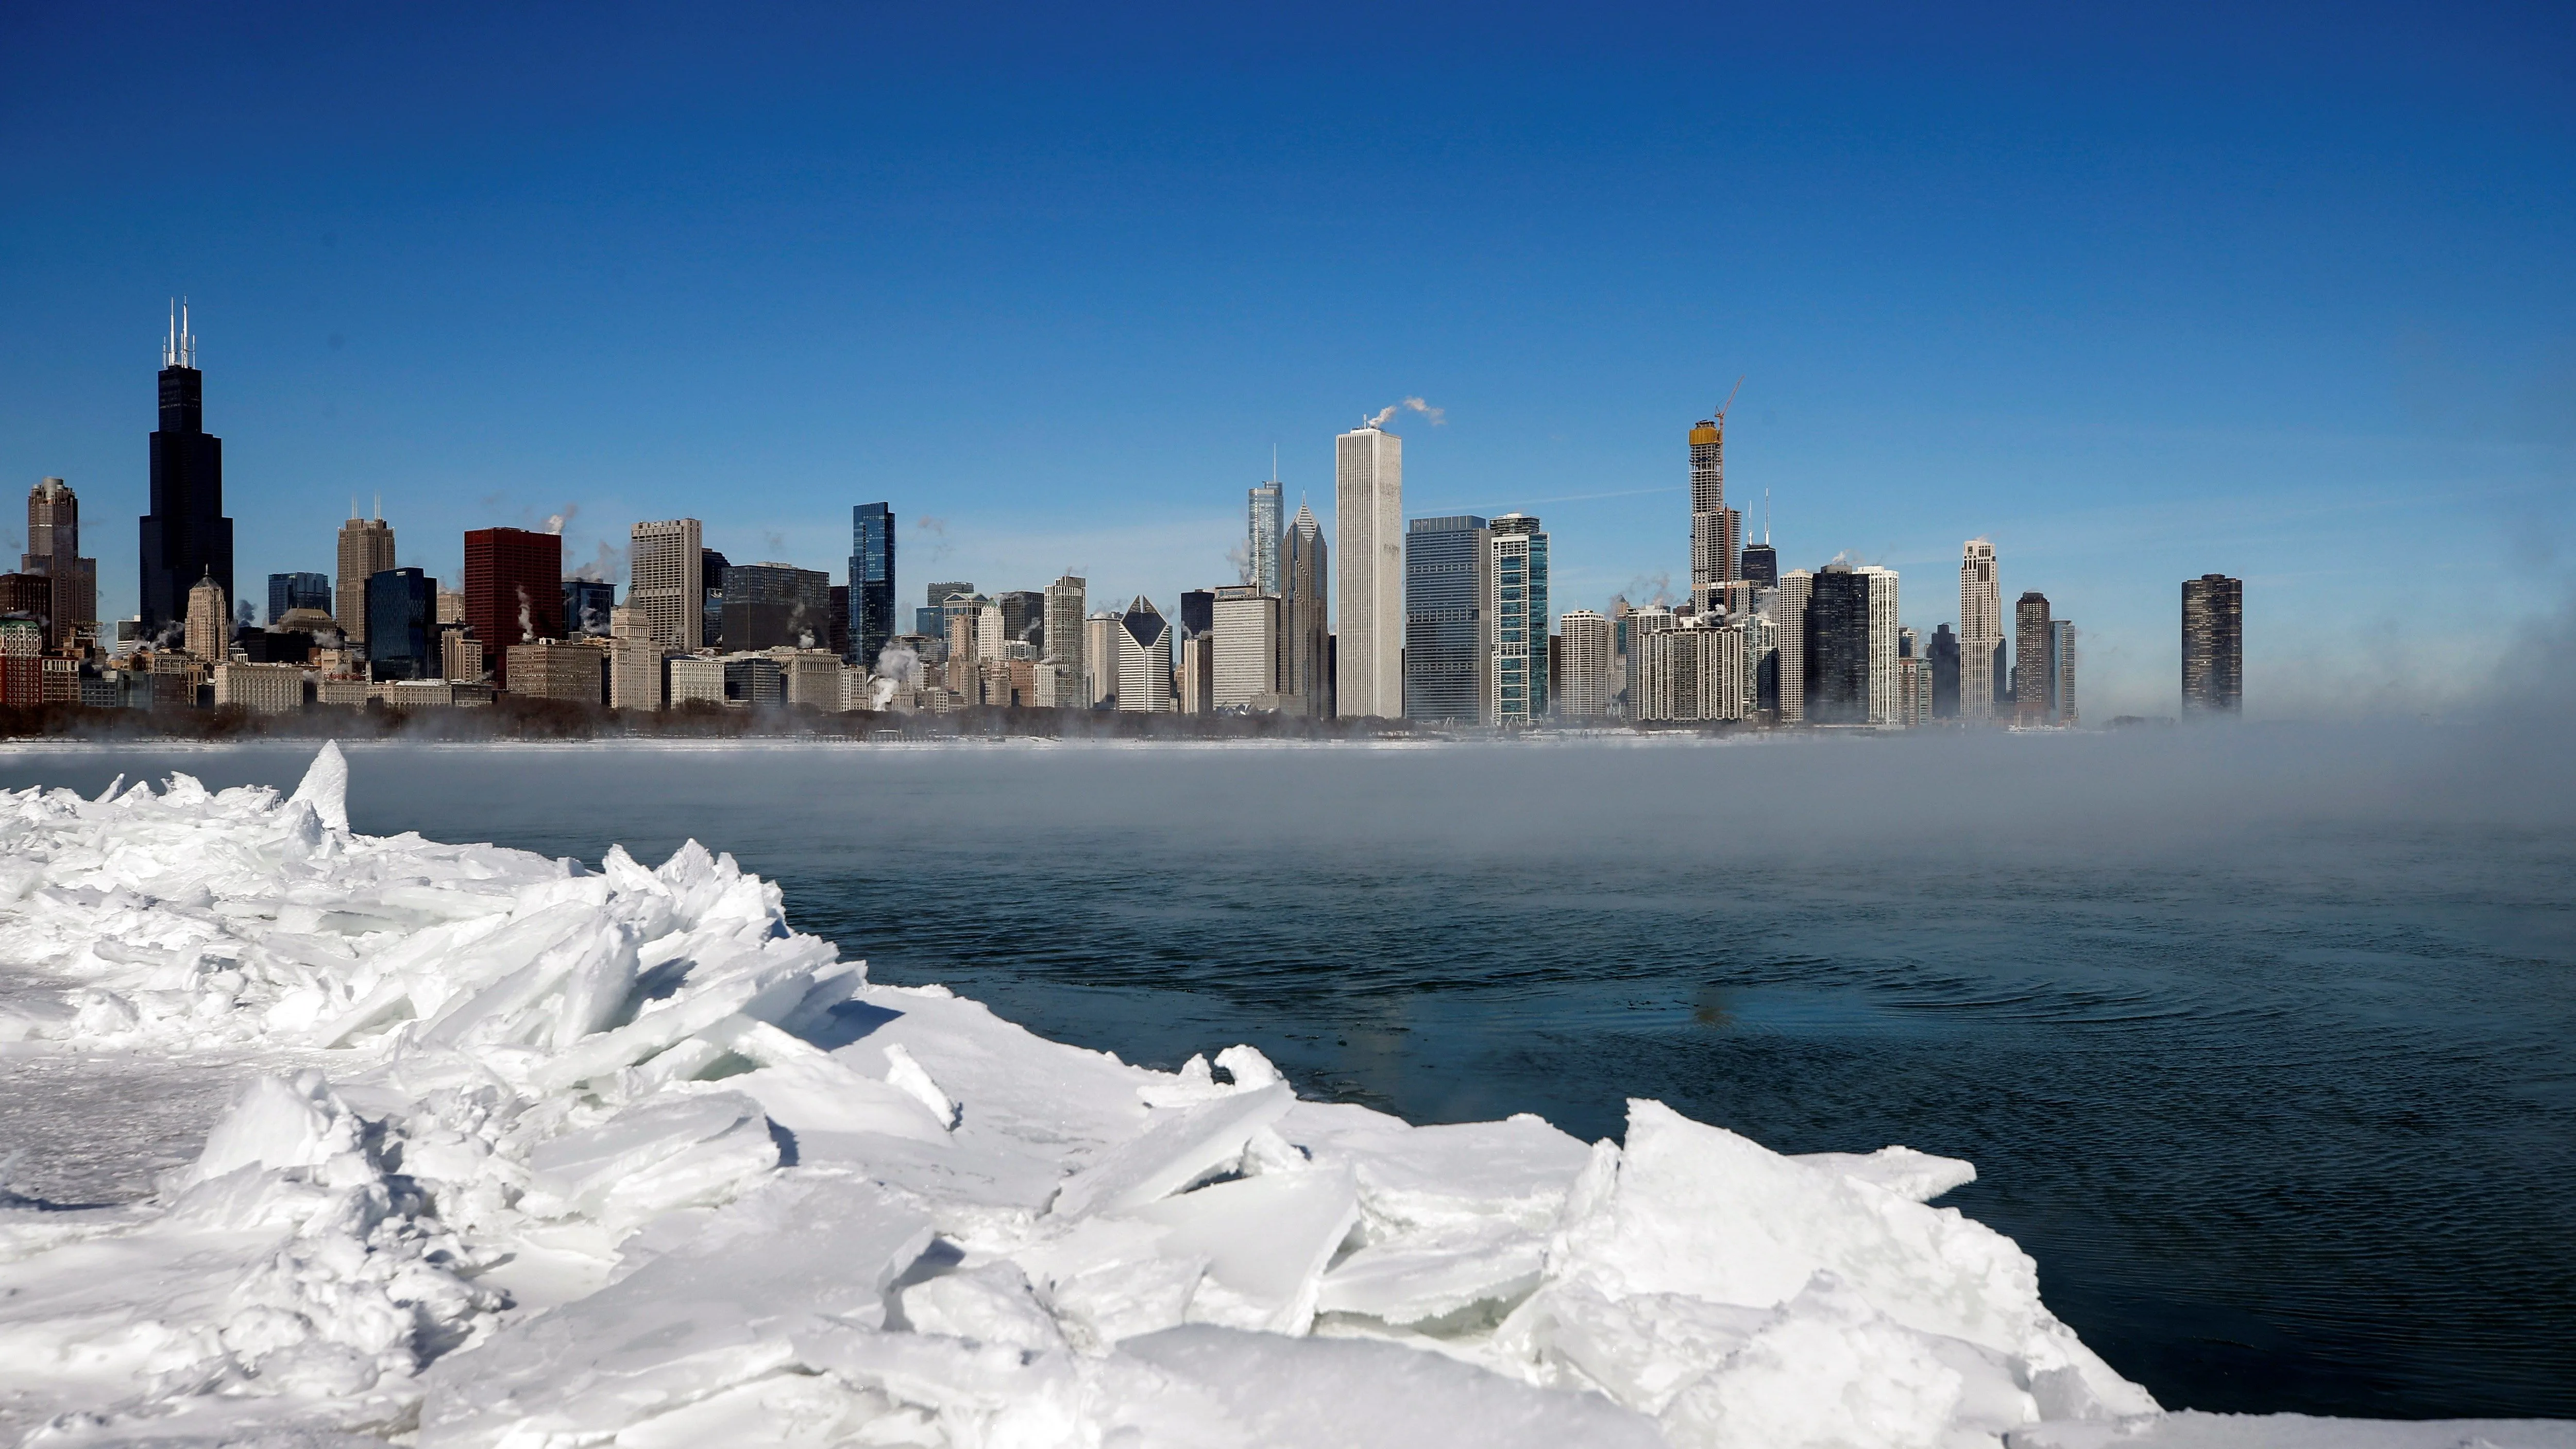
380, 508
170, 347
1274, 462
1766, 518
353, 508
187, 339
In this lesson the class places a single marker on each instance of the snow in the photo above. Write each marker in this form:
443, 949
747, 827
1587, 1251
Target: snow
523, 1153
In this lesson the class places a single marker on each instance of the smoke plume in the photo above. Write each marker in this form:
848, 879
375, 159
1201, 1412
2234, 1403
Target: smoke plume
555, 521
1438, 416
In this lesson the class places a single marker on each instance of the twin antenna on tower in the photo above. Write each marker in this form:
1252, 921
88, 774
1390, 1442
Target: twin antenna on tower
181, 349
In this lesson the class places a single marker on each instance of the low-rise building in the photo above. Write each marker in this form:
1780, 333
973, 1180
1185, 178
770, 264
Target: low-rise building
810, 676
698, 678
575, 671
261, 688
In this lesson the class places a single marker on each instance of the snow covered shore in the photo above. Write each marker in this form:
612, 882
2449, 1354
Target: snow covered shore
556, 1157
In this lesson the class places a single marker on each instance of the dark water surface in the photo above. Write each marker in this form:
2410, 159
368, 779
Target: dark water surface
2264, 1044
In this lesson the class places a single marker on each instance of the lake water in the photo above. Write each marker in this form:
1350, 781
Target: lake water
2263, 1041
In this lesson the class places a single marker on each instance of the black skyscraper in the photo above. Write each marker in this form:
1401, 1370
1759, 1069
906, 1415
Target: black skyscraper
1944, 654
1761, 565
871, 606
186, 536
1838, 646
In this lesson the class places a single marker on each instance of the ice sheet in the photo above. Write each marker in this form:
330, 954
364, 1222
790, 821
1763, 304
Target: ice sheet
530, 1154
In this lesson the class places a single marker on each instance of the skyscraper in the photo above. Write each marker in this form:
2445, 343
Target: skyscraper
1981, 631
186, 537
1261, 537
1100, 658
53, 550
513, 591
871, 582
2213, 645
933, 618
665, 580
2061, 650
586, 607
1024, 618
1944, 656
1064, 631
366, 550
1306, 644
1368, 533
209, 621
1244, 667
1789, 612
2036, 680
1520, 610
1714, 530
1838, 646
298, 591
1198, 612
402, 625
1144, 643
711, 590
1586, 637
1883, 631
1448, 620
775, 606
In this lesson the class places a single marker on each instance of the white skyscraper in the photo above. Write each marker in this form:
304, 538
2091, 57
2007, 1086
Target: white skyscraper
1519, 609
1245, 668
1585, 638
1099, 658
667, 580
2062, 636
1981, 630
1368, 533
1144, 640
366, 550
1789, 612
1882, 642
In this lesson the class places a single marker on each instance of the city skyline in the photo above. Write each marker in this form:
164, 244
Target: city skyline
1968, 298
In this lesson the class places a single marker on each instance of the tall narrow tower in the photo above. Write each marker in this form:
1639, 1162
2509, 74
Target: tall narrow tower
1714, 528
1368, 533
1981, 630
186, 537
53, 550
1262, 523
871, 622
1307, 636
366, 550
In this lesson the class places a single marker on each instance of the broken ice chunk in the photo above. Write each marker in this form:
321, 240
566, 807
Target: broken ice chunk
1180, 1147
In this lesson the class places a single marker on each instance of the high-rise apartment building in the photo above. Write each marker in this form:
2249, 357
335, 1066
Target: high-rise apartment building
1305, 648
1883, 639
1063, 642
2034, 679
1981, 632
1261, 538
2213, 645
1144, 644
1244, 665
366, 550
1584, 639
871, 587
2061, 653
1943, 655
1448, 620
1789, 614
186, 539
1368, 534
209, 622
513, 591
1838, 646
1694, 673
776, 606
1715, 530
666, 580
402, 625
298, 591
1520, 612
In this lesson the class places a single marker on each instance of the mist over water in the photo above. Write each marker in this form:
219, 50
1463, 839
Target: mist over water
2263, 1040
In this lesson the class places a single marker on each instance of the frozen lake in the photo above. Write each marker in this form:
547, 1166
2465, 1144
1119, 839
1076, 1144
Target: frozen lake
2264, 1043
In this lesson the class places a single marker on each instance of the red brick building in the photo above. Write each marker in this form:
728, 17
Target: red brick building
513, 591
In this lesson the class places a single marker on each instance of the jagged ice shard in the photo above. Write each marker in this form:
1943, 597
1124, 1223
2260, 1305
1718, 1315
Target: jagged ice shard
536, 1155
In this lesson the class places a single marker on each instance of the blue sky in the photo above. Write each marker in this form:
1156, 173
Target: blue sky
2139, 297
